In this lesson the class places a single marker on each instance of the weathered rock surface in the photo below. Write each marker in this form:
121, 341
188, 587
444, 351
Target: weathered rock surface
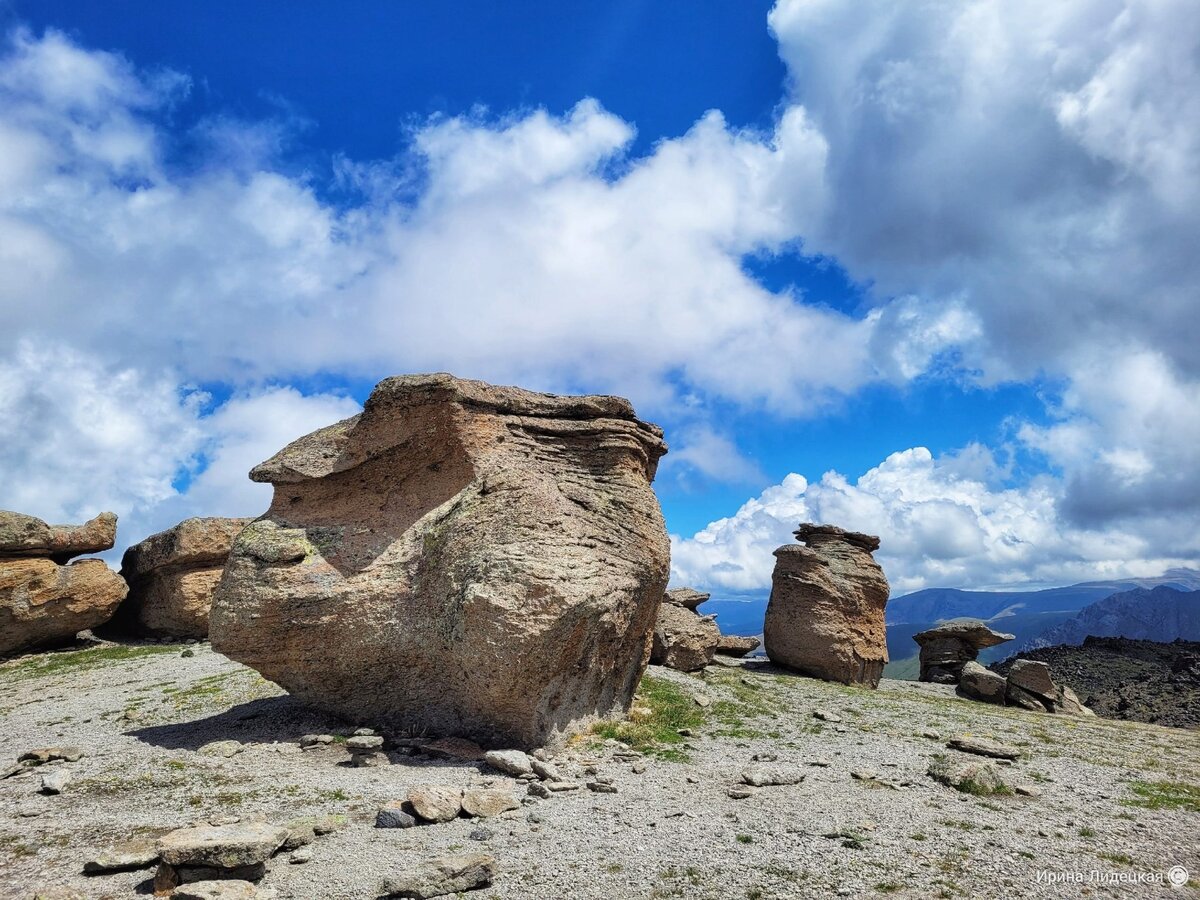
736, 645
1031, 686
43, 604
230, 889
122, 858
441, 876
982, 684
172, 576
683, 639
495, 558
970, 776
25, 536
435, 803
983, 747
222, 847
486, 802
688, 598
949, 647
825, 615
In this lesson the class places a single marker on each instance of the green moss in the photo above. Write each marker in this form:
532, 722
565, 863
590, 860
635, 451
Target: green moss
657, 732
49, 664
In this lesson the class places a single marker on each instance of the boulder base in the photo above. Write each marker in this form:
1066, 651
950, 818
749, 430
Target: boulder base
683, 639
825, 615
465, 559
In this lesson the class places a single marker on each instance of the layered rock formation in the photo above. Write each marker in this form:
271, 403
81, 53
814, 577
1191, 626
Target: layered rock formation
825, 615
949, 647
42, 601
462, 558
1031, 686
172, 576
684, 639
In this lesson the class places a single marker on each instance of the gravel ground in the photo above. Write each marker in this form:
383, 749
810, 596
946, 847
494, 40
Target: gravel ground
141, 715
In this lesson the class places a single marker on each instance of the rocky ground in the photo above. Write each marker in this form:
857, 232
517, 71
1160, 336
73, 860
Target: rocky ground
1143, 681
866, 820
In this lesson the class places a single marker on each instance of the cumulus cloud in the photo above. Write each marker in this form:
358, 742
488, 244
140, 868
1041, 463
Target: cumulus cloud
84, 436
942, 522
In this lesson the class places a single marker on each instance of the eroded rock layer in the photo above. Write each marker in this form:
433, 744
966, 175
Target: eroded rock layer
467, 559
825, 615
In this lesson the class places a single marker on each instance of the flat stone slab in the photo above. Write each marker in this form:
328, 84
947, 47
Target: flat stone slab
983, 747
222, 846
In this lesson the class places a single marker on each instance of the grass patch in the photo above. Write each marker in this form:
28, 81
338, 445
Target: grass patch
1165, 795
1121, 859
745, 839
888, 887
656, 732
1087, 832
49, 664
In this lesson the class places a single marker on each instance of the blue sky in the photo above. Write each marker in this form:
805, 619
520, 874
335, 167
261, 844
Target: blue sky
887, 265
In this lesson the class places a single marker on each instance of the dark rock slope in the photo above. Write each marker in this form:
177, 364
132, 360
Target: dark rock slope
1119, 678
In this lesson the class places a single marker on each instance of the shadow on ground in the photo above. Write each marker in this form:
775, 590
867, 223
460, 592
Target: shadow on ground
270, 719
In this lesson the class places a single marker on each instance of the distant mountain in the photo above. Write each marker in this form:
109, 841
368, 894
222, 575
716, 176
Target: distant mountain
1163, 614
940, 604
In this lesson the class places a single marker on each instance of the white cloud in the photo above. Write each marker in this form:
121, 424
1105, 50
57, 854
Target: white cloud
84, 436
941, 524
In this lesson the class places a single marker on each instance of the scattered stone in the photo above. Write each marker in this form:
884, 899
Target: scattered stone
538, 789
435, 803
519, 500
740, 792
232, 848
367, 759
55, 782
364, 742
826, 716
224, 749
932, 735
172, 576
601, 787
510, 762
441, 876
187, 654
1026, 790
316, 740
820, 762
363, 732
765, 757
703, 701
122, 858
393, 815
481, 834
486, 802
946, 649
968, 775
50, 754
767, 777
544, 770
560, 787
825, 614
683, 639
638, 768
736, 645
983, 747
303, 855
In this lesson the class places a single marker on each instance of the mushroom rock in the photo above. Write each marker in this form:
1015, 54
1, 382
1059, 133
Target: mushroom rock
825, 614
950, 646
42, 601
470, 560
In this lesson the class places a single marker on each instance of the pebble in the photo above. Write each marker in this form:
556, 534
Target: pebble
740, 792
826, 716
301, 856
638, 768
55, 782
601, 787
393, 816
481, 834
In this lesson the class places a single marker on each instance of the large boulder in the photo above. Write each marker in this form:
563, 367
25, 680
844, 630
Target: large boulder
172, 576
977, 683
42, 602
1031, 686
683, 639
825, 615
948, 647
465, 559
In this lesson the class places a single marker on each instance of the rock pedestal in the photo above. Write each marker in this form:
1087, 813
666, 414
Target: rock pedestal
949, 647
42, 602
825, 615
463, 559
172, 576
684, 639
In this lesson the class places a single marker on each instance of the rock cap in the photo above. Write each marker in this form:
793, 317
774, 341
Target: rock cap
22, 535
811, 533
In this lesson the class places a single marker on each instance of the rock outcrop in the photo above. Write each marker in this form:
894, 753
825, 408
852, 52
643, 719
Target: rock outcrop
461, 558
977, 683
949, 647
684, 639
1031, 686
42, 601
825, 615
172, 576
